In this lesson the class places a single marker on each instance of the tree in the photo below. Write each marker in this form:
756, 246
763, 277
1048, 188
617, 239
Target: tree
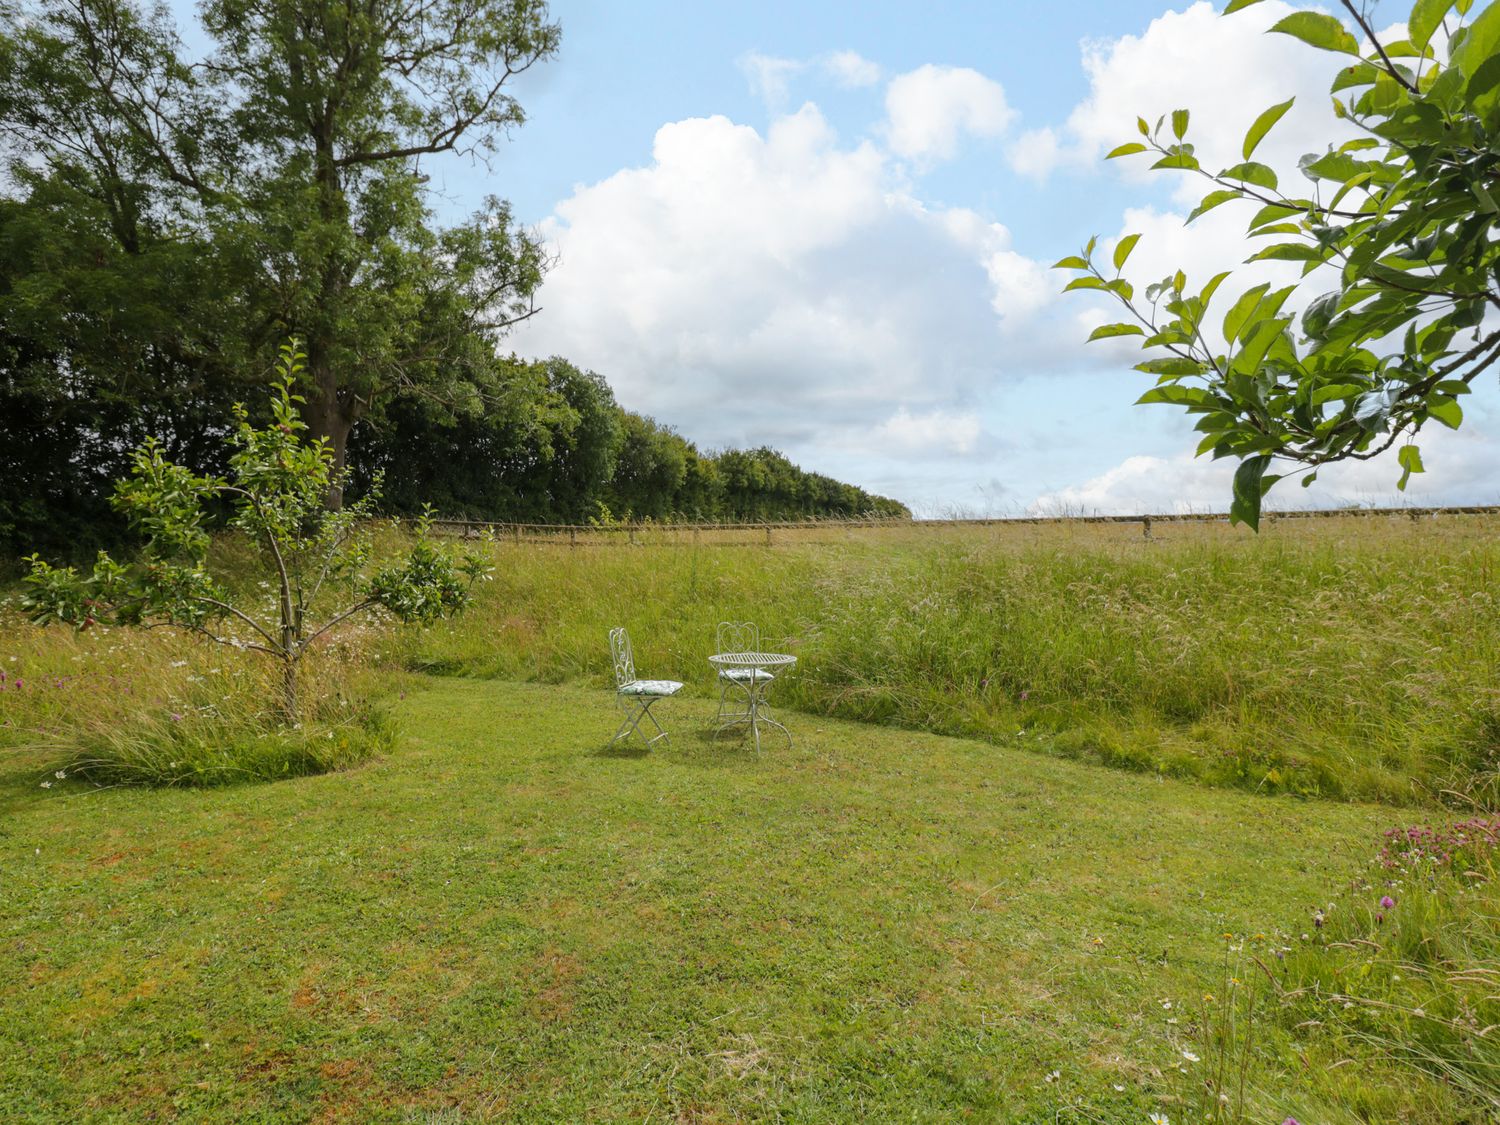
276, 489
1398, 222
290, 158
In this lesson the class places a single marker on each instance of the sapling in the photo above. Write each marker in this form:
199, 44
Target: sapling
275, 494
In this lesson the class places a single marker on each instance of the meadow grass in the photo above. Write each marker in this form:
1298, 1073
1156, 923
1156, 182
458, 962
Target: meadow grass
503, 920
1353, 658
141, 707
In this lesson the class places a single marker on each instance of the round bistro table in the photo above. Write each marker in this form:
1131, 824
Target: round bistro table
755, 714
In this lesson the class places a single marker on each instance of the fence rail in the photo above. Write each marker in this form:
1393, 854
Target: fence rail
573, 534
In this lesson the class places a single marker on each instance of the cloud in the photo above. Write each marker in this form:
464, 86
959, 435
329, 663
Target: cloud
1463, 467
930, 108
770, 75
850, 69
1224, 69
938, 431
788, 289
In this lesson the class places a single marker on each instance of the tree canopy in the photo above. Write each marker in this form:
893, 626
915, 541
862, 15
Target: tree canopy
1396, 226
168, 219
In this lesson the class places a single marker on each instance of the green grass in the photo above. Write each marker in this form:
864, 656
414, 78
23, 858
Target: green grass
1351, 658
500, 921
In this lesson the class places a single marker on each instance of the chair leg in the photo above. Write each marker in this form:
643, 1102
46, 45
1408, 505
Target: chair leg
634, 713
628, 724
661, 731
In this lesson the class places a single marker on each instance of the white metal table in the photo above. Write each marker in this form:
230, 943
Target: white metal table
751, 672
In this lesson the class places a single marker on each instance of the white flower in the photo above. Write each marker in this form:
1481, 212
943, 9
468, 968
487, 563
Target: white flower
1119, 1089
179, 664
1159, 1119
1189, 1055
60, 774
1167, 1004
46, 785
1054, 1076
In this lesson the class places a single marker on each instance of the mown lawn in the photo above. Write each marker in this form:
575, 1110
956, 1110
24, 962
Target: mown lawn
501, 921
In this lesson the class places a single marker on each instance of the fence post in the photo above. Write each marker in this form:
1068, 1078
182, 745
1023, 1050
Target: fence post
1146, 527
516, 533
768, 535
632, 535
572, 537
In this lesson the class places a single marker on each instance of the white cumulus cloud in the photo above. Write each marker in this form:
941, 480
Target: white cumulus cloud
785, 288
929, 109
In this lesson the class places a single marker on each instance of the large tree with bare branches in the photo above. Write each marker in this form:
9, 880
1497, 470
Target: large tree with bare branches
282, 172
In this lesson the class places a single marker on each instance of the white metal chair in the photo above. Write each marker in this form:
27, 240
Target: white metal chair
635, 696
738, 637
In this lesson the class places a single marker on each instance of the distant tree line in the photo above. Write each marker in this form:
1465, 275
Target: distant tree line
558, 449
167, 222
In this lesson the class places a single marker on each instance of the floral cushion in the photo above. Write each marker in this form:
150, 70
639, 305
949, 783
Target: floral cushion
650, 687
745, 675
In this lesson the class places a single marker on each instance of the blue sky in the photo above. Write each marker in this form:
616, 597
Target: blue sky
826, 227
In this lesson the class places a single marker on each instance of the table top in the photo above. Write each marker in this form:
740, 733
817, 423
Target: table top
752, 660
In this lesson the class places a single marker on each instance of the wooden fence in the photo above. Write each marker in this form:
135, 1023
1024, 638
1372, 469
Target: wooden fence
561, 534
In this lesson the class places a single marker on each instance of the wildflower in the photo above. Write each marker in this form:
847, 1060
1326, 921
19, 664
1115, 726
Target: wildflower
1053, 1076
1208, 997
1291, 1121
1318, 919
1159, 1119
179, 664
46, 785
60, 774
1167, 1004
1189, 1055
1387, 902
175, 717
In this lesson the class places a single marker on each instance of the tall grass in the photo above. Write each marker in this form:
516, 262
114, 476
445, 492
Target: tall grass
130, 706
1347, 658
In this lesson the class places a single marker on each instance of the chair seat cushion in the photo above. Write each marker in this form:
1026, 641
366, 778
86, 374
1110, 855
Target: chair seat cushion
746, 675
650, 687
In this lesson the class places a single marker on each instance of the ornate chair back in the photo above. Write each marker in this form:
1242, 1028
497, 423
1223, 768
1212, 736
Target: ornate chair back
737, 636
624, 658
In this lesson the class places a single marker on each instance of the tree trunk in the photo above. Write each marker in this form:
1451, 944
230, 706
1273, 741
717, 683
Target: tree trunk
327, 416
289, 691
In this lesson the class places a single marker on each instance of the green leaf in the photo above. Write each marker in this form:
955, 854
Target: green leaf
1176, 395
1123, 249
1212, 287
1235, 318
1410, 459
1249, 487
1426, 15
1318, 30
1236, 5
1212, 200
1336, 391
1129, 148
1179, 123
1104, 331
1073, 262
1481, 41
1251, 173
1263, 125
1088, 282
1446, 411
1289, 252
1172, 366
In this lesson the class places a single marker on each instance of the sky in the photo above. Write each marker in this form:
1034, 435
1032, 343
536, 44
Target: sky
828, 228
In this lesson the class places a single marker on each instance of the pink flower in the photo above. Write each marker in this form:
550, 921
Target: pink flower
1387, 902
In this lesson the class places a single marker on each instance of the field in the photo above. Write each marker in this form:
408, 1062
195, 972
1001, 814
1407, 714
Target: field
941, 902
